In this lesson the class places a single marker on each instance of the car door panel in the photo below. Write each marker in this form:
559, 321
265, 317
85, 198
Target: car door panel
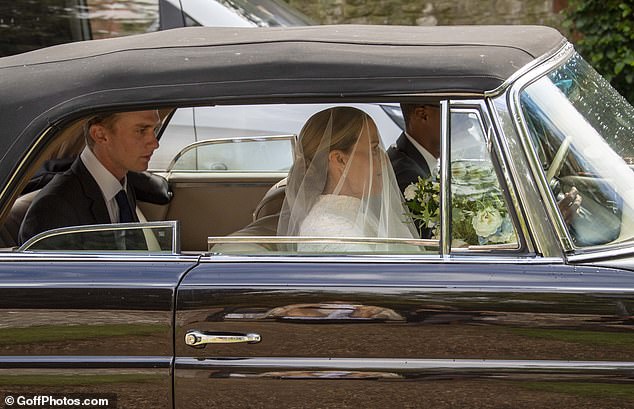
397, 335
100, 327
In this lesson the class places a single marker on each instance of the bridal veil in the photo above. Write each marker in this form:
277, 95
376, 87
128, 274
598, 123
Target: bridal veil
340, 163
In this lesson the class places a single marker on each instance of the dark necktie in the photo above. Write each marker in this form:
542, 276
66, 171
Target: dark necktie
125, 212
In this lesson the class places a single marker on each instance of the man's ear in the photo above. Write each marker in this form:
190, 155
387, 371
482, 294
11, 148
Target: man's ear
420, 113
98, 133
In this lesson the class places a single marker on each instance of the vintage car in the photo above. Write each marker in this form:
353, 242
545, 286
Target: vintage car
220, 311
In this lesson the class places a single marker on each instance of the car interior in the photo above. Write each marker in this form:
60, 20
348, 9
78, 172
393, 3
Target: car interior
207, 194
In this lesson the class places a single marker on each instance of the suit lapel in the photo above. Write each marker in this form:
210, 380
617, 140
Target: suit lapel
92, 192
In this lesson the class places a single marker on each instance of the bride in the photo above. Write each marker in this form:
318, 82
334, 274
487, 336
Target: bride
342, 185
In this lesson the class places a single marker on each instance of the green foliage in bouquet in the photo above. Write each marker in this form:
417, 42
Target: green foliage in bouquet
479, 214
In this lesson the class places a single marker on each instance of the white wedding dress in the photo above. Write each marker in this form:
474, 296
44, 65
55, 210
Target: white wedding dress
335, 216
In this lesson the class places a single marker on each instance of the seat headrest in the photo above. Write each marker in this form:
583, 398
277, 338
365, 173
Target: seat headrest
271, 203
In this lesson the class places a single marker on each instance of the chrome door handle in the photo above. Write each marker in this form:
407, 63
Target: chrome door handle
197, 338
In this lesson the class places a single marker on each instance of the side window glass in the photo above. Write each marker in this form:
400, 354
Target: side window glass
110, 18
270, 154
480, 214
147, 238
29, 25
179, 132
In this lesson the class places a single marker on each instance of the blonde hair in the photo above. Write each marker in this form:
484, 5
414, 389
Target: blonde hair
106, 119
346, 126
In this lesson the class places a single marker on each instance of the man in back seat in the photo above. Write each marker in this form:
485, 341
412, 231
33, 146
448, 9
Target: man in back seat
95, 189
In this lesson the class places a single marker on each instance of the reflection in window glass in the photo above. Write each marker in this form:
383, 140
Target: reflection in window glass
111, 18
268, 13
148, 238
480, 215
29, 25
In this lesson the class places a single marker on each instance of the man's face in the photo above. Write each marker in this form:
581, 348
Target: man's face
130, 142
433, 117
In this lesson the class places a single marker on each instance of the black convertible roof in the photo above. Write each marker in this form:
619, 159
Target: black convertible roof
201, 64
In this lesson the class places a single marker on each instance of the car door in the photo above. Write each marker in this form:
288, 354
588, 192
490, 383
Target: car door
455, 325
89, 324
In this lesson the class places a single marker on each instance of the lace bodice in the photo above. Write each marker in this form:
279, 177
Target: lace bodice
334, 216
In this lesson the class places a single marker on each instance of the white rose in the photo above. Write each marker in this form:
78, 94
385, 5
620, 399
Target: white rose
506, 233
410, 192
486, 222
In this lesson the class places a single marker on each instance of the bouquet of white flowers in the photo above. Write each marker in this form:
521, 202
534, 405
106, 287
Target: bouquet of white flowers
479, 214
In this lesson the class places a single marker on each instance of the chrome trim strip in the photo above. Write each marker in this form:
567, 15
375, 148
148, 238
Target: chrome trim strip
170, 224
205, 142
445, 183
516, 112
314, 239
435, 364
380, 259
90, 361
443, 287
609, 253
525, 69
80, 258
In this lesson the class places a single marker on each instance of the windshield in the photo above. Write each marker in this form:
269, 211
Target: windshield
573, 116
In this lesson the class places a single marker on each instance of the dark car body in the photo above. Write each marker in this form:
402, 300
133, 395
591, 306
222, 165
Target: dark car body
545, 322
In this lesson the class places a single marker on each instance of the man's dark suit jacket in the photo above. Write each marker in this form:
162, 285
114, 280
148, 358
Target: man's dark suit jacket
407, 162
72, 198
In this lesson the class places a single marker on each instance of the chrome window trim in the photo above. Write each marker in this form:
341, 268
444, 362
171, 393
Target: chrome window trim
482, 111
445, 184
542, 234
206, 142
526, 69
381, 259
314, 239
170, 224
79, 257
613, 252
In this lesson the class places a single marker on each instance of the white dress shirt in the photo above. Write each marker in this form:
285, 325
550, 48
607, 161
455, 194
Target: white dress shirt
432, 161
108, 184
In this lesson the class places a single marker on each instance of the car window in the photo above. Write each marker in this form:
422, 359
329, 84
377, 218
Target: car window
567, 119
150, 238
228, 194
481, 219
240, 13
480, 215
190, 125
111, 18
29, 25
249, 154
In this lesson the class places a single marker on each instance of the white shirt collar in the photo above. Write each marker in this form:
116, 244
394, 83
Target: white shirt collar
431, 160
108, 184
